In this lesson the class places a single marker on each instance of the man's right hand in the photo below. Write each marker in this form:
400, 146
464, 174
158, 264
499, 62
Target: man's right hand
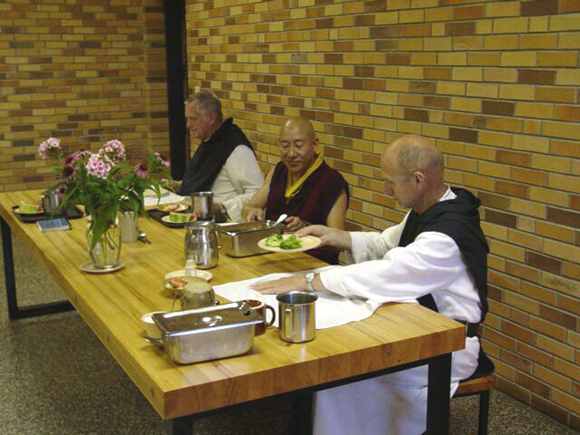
255, 215
173, 185
334, 237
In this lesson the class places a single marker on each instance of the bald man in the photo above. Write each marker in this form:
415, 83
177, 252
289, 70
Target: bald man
302, 186
437, 255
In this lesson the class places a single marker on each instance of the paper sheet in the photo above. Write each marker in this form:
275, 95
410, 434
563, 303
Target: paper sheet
331, 309
165, 198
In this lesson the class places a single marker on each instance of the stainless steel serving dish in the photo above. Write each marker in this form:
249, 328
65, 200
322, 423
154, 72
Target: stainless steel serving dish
241, 240
207, 333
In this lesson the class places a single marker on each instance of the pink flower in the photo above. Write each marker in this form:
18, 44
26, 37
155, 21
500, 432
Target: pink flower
162, 158
99, 166
68, 171
142, 169
60, 190
114, 149
49, 148
79, 154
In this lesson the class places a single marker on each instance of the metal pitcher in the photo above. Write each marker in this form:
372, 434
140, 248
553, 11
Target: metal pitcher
201, 243
202, 203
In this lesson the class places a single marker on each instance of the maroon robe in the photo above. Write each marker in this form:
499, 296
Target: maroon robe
312, 203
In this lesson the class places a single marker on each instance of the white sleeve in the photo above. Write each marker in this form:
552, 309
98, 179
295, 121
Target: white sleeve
372, 245
432, 262
246, 177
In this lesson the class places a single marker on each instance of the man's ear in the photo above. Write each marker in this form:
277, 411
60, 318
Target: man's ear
419, 178
213, 117
315, 143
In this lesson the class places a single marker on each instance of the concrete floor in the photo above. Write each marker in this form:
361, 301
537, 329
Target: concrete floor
57, 378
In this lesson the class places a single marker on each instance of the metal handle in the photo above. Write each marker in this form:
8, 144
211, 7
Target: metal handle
156, 341
287, 316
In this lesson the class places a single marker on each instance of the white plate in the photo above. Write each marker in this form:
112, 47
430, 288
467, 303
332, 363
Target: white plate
180, 207
89, 267
306, 243
176, 224
23, 213
201, 273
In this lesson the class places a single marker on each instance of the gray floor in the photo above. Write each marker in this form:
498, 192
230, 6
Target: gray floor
57, 378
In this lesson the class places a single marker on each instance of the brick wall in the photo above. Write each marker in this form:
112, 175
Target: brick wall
85, 72
495, 83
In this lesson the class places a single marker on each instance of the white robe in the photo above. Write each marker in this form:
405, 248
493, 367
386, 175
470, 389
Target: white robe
238, 181
397, 403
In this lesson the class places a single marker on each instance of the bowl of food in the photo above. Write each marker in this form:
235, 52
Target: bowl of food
151, 329
178, 219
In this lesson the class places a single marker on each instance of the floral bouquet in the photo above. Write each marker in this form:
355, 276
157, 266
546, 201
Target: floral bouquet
103, 182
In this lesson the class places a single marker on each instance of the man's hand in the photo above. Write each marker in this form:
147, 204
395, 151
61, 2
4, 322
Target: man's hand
293, 224
334, 237
255, 215
282, 285
173, 185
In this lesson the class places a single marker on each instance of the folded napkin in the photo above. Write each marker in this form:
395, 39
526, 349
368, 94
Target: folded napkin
165, 198
331, 309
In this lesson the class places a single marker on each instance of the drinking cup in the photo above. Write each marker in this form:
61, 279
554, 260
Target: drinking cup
202, 203
262, 309
296, 310
50, 204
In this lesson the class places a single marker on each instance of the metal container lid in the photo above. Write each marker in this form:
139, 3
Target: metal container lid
201, 320
248, 227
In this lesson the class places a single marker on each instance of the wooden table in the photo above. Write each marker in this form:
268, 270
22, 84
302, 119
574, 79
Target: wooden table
398, 336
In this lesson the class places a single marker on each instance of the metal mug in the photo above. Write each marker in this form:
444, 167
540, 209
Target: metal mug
296, 311
201, 243
51, 203
202, 203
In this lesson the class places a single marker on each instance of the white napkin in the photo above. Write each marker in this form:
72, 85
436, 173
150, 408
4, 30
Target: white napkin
331, 309
165, 198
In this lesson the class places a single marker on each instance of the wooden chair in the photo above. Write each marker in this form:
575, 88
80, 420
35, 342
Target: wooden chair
480, 383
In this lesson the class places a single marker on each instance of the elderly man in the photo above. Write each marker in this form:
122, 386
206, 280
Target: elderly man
224, 162
437, 255
302, 186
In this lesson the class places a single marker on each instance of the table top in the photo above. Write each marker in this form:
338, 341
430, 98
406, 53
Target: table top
112, 304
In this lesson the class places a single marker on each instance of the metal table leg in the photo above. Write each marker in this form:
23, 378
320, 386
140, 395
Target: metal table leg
14, 311
302, 418
438, 395
182, 425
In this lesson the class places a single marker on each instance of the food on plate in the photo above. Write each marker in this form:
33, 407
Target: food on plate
29, 207
283, 242
290, 242
177, 283
171, 207
274, 240
181, 217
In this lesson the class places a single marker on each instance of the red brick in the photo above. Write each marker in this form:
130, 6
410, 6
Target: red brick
539, 7
460, 28
564, 217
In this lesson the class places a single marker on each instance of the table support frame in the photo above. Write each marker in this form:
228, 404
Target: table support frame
14, 311
438, 399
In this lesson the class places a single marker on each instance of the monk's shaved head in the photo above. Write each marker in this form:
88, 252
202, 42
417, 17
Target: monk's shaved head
300, 123
412, 153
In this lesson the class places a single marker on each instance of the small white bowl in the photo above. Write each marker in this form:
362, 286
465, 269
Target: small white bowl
151, 329
200, 273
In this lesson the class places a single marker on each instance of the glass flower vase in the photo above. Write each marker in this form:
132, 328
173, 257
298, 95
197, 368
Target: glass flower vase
107, 250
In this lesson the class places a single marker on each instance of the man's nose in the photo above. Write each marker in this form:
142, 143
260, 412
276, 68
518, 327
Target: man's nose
291, 150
